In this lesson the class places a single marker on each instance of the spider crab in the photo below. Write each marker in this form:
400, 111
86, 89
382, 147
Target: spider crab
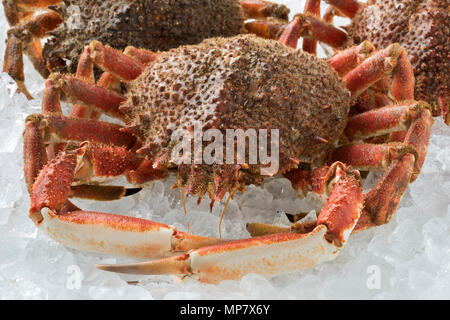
422, 27
238, 82
155, 25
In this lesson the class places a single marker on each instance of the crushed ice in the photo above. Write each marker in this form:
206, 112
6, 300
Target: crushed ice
408, 258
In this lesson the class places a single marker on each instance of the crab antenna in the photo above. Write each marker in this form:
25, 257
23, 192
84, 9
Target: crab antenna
223, 213
184, 203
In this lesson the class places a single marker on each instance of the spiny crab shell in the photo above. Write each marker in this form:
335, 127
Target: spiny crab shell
237, 83
155, 25
422, 27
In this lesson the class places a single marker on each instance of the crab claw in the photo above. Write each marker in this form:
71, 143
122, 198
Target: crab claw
117, 235
271, 254
94, 231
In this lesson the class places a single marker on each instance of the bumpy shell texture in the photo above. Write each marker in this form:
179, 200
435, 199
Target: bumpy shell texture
151, 24
423, 28
242, 82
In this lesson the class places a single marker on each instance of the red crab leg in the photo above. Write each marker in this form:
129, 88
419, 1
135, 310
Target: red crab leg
384, 120
372, 69
85, 72
115, 62
50, 99
259, 9
63, 129
141, 55
402, 87
347, 7
350, 58
444, 108
292, 32
272, 254
36, 28
312, 7
370, 157
382, 201
34, 155
314, 28
90, 95
269, 29
324, 32
35, 4
13, 63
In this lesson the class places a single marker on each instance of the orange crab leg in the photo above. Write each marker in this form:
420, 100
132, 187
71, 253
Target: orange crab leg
444, 108
272, 254
381, 121
402, 87
50, 100
90, 95
63, 129
19, 42
370, 157
418, 136
85, 72
115, 62
313, 28
34, 156
52, 185
34, 4
258, 9
13, 63
312, 7
348, 59
269, 29
382, 201
347, 7
141, 55
292, 32
372, 69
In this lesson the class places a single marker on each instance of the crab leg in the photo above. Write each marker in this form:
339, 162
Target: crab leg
444, 108
273, 254
402, 87
312, 7
370, 157
372, 69
269, 29
260, 9
115, 62
80, 92
141, 55
22, 37
13, 63
348, 59
349, 8
35, 156
63, 129
384, 120
381, 202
